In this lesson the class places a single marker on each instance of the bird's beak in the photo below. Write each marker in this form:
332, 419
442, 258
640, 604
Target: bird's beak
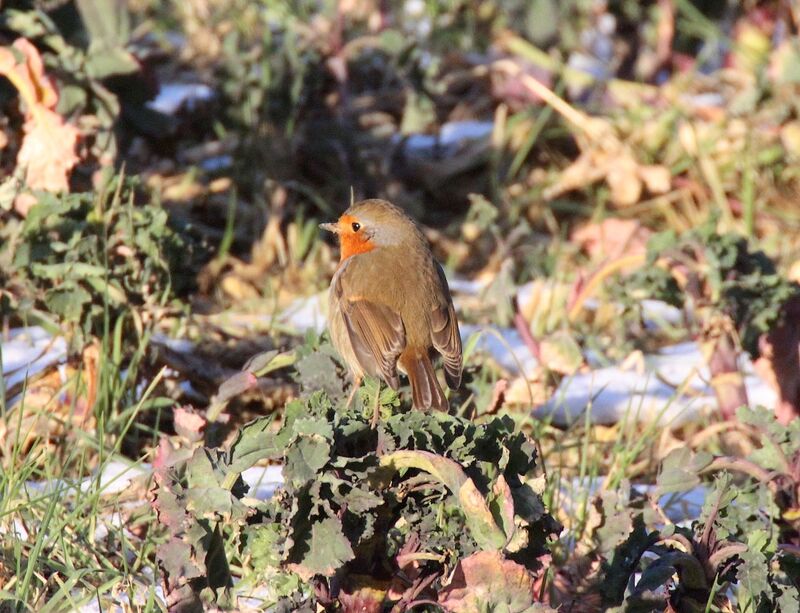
330, 227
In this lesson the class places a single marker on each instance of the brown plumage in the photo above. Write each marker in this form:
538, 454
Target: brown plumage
389, 304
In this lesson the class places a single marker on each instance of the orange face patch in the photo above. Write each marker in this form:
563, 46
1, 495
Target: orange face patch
352, 241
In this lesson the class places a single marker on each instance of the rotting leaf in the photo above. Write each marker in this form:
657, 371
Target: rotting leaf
48, 149
235, 385
486, 582
501, 504
188, 423
446, 471
480, 521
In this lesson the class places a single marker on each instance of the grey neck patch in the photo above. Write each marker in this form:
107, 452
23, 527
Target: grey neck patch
382, 233
384, 236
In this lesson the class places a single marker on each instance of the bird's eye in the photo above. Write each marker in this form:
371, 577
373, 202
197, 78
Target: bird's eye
356, 226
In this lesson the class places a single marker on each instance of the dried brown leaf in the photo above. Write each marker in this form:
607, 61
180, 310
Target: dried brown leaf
47, 153
612, 238
623, 181
657, 178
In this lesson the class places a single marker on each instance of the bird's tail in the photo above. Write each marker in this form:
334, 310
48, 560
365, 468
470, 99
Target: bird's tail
425, 389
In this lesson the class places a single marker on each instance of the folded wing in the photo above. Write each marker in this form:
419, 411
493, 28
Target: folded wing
378, 337
446, 336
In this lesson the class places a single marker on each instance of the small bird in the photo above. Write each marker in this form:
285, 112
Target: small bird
389, 303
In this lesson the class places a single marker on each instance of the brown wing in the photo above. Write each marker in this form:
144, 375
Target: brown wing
378, 337
446, 337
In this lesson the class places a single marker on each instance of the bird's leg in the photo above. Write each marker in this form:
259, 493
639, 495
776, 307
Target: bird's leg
376, 409
356, 385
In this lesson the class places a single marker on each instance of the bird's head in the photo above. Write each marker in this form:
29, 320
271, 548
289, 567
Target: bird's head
372, 224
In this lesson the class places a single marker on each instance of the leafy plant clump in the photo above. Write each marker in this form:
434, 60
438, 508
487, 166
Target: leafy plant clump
739, 554
706, 271
743, 549
91, 74
734, 300
426, 508
87, 260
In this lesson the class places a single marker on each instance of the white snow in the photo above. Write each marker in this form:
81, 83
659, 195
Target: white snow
28, 351
174, 96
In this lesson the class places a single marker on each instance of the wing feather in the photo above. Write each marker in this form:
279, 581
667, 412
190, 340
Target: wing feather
378, 337
446, 336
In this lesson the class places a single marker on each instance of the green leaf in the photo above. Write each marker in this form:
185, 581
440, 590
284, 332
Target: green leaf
265, 545
254, 442
313, 427
67, 301
541, 21
107, 21
753, 578
418, 114
617, 520
680, 470
318, 372
623, 562
328, 548
103, 62
309, 451
788, 598
64, 270
107, 288
211, 503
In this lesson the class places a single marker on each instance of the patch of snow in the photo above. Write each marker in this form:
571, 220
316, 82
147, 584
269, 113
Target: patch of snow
216, 163
113, 477
656, 313
178, 345
28, 351
504, 345
142, 594
612, 394
263, 481
116, 477
451, 136
307, 313
172, 97
18, 530
454, 132
679, 507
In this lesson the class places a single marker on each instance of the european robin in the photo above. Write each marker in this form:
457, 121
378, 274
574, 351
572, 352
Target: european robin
389, 304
